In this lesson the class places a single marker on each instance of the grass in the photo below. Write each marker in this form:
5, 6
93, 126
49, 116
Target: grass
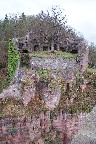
47, 54
41, 72
91, 70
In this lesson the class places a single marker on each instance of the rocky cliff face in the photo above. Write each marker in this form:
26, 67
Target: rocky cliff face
35, 128
31, 107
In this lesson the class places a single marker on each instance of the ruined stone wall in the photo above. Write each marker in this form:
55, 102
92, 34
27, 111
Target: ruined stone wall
14, 130
83, 58
31, 44
42, 91
53, 63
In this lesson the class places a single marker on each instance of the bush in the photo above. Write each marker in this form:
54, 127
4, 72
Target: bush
13, 57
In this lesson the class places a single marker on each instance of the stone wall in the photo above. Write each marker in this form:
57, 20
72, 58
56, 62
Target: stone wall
35, 87
83, 58
30, 129
27, 43
53, 63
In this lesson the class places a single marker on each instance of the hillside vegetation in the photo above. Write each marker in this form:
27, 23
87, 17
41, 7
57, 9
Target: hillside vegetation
50, 26
46, 27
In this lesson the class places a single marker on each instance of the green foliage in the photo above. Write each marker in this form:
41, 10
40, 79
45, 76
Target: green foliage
53, 86
11, 129
27, 81
91, 70
40, 72
44, 75
13, 57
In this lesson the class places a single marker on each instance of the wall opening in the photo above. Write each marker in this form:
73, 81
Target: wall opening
20, 45
63, 49
74, 51
67, 87
45, 48
55, 47
36, 48
25, 51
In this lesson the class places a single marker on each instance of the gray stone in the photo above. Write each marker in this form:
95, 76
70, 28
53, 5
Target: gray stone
87, 132
52, 63
12, 91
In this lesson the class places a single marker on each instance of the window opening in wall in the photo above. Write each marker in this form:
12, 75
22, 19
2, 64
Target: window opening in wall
36, 48
55, 47
74, 51
25, 51
45, 48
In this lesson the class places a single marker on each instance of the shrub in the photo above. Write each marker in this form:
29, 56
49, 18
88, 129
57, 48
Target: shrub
13, 57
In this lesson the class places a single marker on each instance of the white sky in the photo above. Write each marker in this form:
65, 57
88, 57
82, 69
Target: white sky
81, 14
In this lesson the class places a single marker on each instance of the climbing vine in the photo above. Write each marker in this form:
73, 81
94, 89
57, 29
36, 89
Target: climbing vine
13, 57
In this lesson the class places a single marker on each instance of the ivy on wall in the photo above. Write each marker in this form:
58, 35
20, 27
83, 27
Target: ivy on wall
13, 57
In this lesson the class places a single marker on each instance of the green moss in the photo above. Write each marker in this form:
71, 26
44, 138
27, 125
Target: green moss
53, 86
11, 129
43, 79
41, 72
47, 54
27, 81
91, 70
45, 75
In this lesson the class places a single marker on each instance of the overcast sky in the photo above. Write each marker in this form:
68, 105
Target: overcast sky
80, 14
